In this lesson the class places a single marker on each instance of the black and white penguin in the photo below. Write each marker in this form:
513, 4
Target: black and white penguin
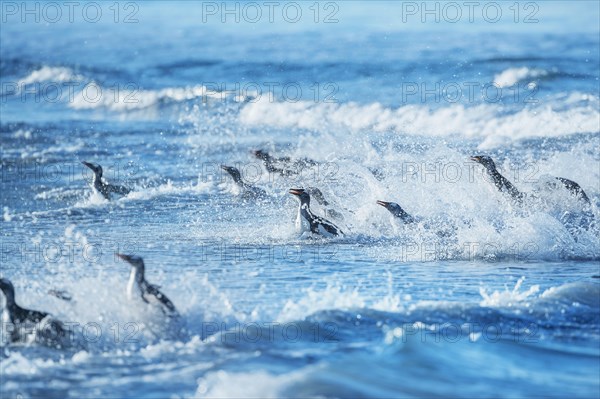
139, 288
26, 325
285, 166
441, 226
248, 191
108, 191
504, 185
501, 182
307, 221
397, 211
576, 220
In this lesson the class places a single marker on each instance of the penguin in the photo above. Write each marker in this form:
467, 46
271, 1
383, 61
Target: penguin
139, 288
307, 221
506, 186
397, 211
269, 161
108, 191
574, 220
26, 323
501, 182
285, 166
248, 191
441, 226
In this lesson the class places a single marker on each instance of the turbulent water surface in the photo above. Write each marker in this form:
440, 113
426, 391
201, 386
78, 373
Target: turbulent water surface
482, 297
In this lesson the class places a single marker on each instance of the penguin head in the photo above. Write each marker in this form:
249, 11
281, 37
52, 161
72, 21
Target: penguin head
486, 161
7, 288
263, 155
97, 169
135, 261
318, 195
234, 172
393, 207
301, 194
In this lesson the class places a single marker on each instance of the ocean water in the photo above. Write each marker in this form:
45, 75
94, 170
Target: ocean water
391, 100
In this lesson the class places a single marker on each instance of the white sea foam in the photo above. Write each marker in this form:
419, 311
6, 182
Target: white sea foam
7, 217
25, 134
508, 297
50, 74
169, 188
259, 384
20, 364
94, 96
579, 293
333, 297
488, 121
336, 296
511, 76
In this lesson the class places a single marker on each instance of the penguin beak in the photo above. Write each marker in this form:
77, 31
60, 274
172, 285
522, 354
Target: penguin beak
89, 165
296, 191
383, 203
476, 159
226, 168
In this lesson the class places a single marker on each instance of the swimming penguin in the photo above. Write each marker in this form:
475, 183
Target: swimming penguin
397, 211
317, 194
139, 288
307, 221
248, 191
107, 190
501, 182
284, 165
269, 161
505, 186
442, 227
26, 323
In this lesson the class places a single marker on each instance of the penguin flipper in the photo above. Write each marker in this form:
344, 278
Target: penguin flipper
163, 300
327, 226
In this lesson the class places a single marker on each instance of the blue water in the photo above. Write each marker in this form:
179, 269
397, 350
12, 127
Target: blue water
392, 108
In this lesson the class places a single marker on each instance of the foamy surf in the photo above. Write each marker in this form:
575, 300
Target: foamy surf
50, 74
510, 77
486, 121
93, 96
